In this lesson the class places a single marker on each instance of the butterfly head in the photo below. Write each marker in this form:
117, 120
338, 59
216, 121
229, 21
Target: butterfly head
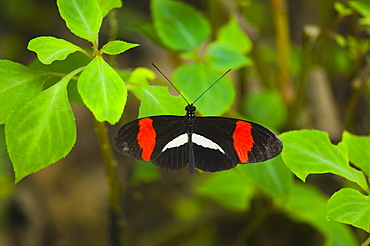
190, 109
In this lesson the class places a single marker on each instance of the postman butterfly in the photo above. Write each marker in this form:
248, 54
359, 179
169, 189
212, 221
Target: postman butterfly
207, 143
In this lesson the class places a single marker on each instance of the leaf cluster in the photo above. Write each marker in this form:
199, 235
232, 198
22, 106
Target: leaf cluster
44, 117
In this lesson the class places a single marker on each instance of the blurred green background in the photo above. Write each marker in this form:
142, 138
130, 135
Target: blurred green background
67, 203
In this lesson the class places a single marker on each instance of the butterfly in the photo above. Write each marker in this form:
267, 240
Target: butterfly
208, 143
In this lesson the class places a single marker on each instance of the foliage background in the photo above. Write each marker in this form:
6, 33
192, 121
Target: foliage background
67, 203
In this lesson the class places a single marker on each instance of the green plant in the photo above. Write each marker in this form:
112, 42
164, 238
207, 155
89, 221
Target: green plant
44, 117
40, 127
39, 123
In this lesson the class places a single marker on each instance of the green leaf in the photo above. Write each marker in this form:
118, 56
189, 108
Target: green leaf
144, 172
307, 204
341, 41
271, 176
224, 56
148, 30
357, 151
108, 5
138, 79
267, 108
141, 76
231, 34
349, 206
124, 73
42, 130
117, 47
73, 61
363, 8
83, 17
342, 9
156, 100
227, 188
49, 49
18, 83
194, 79
188, 209
190, 56
364, 21
102, 90
179, 25
310, 151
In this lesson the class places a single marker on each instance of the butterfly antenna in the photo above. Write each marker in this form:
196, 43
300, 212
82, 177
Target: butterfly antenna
212, 85
170, 82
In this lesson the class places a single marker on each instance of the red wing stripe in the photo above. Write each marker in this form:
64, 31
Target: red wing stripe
146, 138
243, 140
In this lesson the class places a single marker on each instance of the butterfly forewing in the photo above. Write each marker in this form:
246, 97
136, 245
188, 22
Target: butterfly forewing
266, 144
164, 128
125, 140
249, 143
218, 130
168, 128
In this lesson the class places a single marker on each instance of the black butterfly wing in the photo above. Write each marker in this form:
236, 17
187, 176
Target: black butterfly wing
218, 143
266, 144
166, 128
125, 140
241, 142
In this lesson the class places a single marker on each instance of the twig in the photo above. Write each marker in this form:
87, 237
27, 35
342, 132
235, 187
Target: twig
115, 212
357, 84
113, 32
281, 21
367, 242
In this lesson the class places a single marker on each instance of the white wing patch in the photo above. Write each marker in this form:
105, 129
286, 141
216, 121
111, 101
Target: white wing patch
196, 138
206, 143
176, 142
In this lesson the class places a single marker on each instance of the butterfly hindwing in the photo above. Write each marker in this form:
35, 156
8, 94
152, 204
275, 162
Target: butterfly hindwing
241, 142
219, 131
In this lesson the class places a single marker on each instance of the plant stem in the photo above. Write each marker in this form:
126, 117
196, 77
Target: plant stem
114, 185
259, 217
113, 32
367, 242
116, 215
357, 85
308, 49
87, 53
260, 64
281, 21
110, 164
